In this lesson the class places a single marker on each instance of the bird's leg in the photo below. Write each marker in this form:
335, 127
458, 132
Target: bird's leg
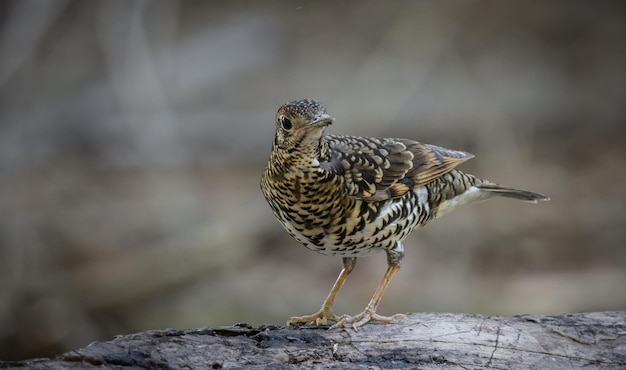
322, 316
394, 260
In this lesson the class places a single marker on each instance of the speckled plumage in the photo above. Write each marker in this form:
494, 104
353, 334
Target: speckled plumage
350, 196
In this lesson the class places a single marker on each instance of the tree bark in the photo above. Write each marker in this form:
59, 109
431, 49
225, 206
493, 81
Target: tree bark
425, 341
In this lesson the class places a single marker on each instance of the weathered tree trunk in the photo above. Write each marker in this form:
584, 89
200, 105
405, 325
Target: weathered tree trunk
425, 341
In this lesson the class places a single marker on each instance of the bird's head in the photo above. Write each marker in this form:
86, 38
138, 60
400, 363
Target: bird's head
300, 125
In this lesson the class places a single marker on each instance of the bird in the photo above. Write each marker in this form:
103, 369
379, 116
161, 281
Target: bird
353, 196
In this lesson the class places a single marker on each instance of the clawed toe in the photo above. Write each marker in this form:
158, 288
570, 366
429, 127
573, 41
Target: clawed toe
364, 317
318, 319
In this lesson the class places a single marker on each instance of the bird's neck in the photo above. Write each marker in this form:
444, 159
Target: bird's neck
303, 158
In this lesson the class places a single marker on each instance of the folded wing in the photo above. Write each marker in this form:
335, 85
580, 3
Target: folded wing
380, 169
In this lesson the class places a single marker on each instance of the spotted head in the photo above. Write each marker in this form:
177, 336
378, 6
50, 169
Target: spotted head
300, 125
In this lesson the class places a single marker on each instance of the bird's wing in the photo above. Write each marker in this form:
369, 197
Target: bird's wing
379, 169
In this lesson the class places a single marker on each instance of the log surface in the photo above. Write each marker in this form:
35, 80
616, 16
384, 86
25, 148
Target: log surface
425, 341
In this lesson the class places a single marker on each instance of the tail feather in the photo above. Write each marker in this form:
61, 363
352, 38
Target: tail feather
525, 195
456, 188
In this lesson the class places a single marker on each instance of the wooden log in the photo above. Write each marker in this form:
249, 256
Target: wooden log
426, 341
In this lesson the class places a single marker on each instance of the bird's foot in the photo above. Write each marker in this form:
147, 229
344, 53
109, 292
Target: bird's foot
364, 317
321, 317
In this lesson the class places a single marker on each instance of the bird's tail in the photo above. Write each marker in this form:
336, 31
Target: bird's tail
525, 195
456, 188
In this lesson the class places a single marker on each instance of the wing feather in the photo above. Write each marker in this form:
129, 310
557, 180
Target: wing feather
378, 169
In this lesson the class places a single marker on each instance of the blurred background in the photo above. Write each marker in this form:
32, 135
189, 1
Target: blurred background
133, 135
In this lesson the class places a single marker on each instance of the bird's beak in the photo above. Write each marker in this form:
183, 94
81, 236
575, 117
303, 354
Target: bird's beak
322, 120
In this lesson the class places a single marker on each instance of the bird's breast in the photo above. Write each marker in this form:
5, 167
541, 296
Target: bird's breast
320, 214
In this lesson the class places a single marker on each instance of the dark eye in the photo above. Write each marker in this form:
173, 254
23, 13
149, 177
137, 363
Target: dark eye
285, 123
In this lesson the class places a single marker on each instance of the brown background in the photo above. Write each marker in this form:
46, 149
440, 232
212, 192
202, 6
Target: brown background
133, 135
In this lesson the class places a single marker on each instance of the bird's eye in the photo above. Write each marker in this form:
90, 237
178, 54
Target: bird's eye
285, 123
